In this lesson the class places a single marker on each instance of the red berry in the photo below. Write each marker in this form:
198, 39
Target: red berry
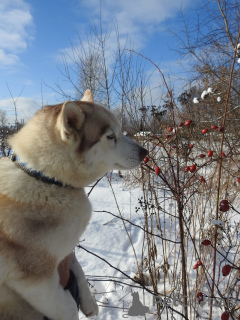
220, 129
188, 122
202, 179
200, 297
225, 315
238, 180
181, 124
173, 147
206, 242
195, 266
146, 159
157, 170
204, 131
224, 206
210, 153
191, 146
213, 127
170, 129
192, 168
226, 270
223, 154
223, 202
199, 263
202, 155
167, 136
187, 169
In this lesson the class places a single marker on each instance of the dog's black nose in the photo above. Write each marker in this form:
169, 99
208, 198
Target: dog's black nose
142, 154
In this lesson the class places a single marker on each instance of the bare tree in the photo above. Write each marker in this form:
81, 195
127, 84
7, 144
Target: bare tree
3, 118
117, 78
209, 46
4, 132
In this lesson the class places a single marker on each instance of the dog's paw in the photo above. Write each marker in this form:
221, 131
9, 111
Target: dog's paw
89, 307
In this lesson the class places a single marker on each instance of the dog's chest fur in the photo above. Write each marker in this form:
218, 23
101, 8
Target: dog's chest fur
40, 226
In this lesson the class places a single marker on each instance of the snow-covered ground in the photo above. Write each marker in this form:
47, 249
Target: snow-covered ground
106, 237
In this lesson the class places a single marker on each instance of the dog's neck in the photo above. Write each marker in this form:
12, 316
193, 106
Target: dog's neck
32, 172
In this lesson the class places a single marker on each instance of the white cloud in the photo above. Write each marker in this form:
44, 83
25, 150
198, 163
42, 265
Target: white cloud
7, 59
16, 25
137, 18
136, 21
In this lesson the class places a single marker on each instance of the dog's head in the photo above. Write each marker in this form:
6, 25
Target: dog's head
94, 137
85, 141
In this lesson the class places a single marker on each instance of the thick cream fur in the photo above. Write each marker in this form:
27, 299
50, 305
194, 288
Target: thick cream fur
40, 223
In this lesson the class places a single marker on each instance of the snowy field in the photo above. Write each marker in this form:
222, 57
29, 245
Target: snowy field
106, 237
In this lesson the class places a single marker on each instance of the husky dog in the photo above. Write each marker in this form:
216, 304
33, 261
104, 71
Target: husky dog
43, 206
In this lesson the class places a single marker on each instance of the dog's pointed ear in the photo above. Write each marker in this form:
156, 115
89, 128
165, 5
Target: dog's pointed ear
87, 96
71, 120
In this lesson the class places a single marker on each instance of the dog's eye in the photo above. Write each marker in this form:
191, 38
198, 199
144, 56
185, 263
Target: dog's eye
111, 137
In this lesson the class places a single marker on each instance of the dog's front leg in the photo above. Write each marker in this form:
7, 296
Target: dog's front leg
87, 303
48, 297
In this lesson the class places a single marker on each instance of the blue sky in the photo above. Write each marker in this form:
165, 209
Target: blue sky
33, 34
